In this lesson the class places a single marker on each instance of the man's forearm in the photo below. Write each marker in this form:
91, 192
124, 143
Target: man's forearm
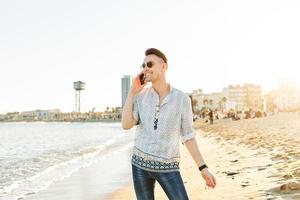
127, 116
194, 151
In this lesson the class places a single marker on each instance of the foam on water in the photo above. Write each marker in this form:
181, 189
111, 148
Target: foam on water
21, 177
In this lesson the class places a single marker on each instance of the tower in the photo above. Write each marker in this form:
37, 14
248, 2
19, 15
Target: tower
126, 84
78, 86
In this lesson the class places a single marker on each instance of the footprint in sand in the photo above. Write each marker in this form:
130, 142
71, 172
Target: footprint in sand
280, 157
245, 184
289, 187
231, 173
288, 176
296, 172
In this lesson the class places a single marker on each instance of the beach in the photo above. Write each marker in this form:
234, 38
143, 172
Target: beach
251, 159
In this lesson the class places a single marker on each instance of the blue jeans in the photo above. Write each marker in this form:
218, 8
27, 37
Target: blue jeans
171, 183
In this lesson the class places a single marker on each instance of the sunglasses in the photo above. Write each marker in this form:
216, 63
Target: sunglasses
148, 64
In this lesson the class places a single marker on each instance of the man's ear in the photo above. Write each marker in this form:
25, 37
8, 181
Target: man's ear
165, 66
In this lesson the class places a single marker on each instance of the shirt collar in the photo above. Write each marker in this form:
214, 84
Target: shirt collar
166, 99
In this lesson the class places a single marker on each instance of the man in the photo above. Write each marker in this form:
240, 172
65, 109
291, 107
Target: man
211, 116
163, 116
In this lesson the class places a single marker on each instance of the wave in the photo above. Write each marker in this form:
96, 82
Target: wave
59, 171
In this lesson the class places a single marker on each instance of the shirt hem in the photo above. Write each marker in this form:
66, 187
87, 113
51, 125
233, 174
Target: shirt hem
155, 170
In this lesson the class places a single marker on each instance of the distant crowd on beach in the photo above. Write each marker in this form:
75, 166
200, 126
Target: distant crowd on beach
209, 115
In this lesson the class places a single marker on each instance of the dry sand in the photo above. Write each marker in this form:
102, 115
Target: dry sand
251, 159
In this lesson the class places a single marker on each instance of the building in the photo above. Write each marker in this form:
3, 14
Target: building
285, 98
125, 85
253, 97
244, 97
212, 100
270, 105
11, 116
46, 115
235, 97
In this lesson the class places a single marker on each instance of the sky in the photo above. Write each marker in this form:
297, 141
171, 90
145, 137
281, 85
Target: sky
47, 45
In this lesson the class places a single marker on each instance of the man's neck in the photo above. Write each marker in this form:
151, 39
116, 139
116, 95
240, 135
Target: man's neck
161, 87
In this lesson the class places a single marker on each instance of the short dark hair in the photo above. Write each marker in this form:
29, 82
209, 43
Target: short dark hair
158, 53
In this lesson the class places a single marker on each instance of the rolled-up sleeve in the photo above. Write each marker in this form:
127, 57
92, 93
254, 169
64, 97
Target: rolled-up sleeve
187, 131
135, 111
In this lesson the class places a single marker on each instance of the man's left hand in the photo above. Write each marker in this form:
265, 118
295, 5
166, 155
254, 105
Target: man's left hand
209, 178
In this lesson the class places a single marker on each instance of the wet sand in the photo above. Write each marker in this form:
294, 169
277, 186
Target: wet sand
251, 159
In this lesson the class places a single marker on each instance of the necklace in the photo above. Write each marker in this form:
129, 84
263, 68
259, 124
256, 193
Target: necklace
156, 117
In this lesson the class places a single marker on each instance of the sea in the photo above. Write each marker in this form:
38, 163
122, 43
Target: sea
34, 155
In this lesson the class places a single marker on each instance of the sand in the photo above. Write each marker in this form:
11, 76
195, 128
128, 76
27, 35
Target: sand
251, 159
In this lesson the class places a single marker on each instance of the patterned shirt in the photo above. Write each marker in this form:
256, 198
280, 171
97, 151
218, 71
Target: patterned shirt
160, 128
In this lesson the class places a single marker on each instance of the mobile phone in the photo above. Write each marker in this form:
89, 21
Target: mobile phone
142, 78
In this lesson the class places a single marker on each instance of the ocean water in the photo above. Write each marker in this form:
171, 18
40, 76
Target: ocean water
35, 155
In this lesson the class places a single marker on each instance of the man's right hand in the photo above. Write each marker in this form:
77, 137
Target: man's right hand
136, 84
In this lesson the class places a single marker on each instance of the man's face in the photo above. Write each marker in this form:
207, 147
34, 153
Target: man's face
156, 71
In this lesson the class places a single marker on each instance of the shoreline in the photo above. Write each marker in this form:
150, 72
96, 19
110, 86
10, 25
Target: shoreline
90, 182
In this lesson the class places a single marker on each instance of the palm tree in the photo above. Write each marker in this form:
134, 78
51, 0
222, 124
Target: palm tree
118, 108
